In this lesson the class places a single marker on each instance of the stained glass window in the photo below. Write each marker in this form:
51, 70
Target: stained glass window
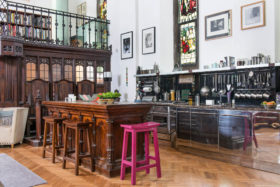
102, 5
188, 22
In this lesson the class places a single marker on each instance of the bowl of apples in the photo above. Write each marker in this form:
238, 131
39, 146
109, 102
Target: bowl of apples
269, 105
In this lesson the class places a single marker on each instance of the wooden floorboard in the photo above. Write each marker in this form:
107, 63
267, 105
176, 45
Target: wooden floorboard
178, 170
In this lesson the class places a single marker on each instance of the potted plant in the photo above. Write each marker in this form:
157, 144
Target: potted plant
108, 97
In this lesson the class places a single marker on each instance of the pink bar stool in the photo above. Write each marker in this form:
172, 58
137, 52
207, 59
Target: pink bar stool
145, 164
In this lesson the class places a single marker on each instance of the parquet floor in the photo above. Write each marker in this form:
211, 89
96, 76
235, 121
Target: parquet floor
178, 170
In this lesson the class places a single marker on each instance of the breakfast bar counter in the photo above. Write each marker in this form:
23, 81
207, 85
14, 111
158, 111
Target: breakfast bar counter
108, 134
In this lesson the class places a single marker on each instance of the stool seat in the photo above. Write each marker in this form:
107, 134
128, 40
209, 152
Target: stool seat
145, 164
146, 125
72, 123
53, 119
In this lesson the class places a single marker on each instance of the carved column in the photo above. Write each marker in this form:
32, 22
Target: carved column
38, 115
110, 149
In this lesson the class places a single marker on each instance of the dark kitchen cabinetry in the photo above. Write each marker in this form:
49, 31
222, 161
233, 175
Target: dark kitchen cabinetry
166, 116
197, 126
183, 123
204, 126
232, 128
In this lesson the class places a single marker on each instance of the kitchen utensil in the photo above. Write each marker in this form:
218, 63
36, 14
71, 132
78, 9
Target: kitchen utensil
259, 96
204, 91
253, 95
266, 95
237, 95
242, 95
248, 95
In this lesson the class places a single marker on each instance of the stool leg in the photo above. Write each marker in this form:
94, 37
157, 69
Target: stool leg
246, 134
147, 151
77, 152
157, 152
45, 139
124, 152
133, 158
54, 136
65, 147
89, 139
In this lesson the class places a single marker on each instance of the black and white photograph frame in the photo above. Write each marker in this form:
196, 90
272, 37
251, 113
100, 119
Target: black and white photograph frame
149, 40
127, 45
218, 25
253, 15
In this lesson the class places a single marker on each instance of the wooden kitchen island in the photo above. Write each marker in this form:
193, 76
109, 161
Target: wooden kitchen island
108, 135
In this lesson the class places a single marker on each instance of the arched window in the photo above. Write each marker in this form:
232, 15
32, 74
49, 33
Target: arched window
56, 71
90, 73
68, 70
100, 75
187, 35
79, 73
44, 72
30, 71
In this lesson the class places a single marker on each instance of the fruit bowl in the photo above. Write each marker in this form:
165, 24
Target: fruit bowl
269, 105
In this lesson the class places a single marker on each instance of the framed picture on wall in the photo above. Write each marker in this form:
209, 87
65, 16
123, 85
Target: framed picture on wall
149, 40
218, 25
253, 15
127, 45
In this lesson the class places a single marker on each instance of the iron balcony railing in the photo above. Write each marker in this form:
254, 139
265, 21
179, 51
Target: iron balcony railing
37, 24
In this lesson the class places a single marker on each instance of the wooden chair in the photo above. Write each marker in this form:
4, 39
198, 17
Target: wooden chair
62, 88
86, 87
35, 89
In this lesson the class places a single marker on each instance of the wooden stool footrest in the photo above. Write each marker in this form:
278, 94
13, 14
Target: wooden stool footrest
145, 167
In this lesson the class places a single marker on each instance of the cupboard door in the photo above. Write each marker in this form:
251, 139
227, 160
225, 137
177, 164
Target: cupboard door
183, 124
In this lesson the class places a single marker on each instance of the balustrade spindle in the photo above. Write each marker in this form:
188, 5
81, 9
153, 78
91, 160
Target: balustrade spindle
89, 33
56, 24
24, 22
70, 30
33, 23
83, 31
77, 27
95, 44
41, 24
8, 20
48, 26
101, 36
16, 20
63, 28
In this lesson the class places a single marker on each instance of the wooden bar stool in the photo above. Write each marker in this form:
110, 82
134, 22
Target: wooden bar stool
145, 164
77, 126
53, 123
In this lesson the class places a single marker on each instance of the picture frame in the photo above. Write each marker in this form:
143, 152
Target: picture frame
149, 40
127, 45
218, 25
253, 15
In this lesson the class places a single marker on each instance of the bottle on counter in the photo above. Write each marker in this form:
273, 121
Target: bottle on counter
197, 100
172, 93
190, 100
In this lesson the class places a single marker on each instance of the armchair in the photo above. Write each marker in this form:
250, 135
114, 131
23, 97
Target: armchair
12, 125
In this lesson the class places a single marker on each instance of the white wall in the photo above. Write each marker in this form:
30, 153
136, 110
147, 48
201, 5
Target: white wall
277, 33
127, 16
122, 14
41, 3
242, 44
